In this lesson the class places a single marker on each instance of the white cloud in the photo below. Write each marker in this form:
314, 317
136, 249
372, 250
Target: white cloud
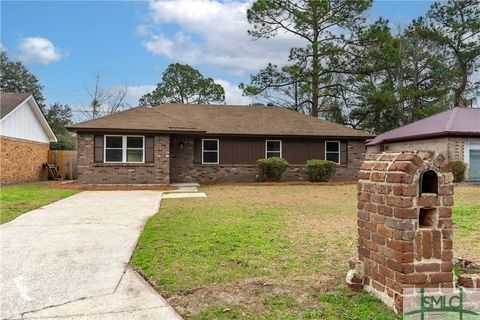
38, 50
233, 95
213, 32
134, 93
142, 30
159, 45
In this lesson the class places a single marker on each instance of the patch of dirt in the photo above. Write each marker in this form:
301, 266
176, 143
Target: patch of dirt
106, 187
248, 293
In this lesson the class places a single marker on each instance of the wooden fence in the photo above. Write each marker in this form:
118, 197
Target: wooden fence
66, 160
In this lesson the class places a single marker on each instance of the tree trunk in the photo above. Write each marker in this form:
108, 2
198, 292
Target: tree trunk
315, 76
458, 91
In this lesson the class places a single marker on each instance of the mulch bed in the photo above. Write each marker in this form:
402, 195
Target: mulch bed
282, 183
106, 187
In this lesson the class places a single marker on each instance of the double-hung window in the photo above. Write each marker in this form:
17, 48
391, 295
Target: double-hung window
273, 148
210, 151
332, 151
124, 149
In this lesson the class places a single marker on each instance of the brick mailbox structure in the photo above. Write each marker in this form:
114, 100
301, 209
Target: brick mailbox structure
404, 225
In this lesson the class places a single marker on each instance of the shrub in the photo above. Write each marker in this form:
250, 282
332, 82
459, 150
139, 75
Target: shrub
320, 170
271, 169
458, 169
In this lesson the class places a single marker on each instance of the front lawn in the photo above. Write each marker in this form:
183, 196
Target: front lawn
21, 198
269, 252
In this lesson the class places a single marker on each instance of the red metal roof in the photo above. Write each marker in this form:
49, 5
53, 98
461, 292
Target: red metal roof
454, 122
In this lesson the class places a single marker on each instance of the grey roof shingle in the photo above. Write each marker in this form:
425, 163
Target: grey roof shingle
221, 120
10, 100
454, 122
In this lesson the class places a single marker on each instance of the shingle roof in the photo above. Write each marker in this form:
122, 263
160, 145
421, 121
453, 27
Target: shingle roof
454, 122
219, 119
10, 100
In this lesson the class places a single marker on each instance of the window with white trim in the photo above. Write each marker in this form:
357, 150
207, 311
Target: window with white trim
124, 149
210, 151
273, 148
332, 151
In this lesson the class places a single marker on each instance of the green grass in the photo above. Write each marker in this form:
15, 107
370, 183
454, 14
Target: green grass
466, 222
206, 248
341, 305
18, 199
269, 252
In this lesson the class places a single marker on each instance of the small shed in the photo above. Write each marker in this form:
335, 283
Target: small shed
25, 138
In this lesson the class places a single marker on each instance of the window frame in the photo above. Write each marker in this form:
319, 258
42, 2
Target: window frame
124, 148
217, 151
266, 147
339, 151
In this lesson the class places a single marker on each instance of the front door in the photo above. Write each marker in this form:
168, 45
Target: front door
474, 165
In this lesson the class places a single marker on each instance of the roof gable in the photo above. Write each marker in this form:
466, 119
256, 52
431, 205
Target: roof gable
457, 121
221, 120
11, 102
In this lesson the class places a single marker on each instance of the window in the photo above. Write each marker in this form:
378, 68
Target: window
332, 151
273, 148
124, 149
210, 151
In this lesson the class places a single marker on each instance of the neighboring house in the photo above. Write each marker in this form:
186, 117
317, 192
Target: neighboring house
454, 133
209, 143
25, 138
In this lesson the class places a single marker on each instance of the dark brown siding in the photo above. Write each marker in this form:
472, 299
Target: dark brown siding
98, 148
197, 151
257, 150
343, 152
149, 149
226, 151
299, 151
247, 151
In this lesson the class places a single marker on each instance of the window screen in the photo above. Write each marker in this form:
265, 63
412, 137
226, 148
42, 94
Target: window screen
210, 151
273, 148
332, 151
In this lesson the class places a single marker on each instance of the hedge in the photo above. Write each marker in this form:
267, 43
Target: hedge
320, 170
271, 169
458, 169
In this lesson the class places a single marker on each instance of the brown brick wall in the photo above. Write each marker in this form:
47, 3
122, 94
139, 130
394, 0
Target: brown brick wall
103, 173
183, 168
404, 236
22, 160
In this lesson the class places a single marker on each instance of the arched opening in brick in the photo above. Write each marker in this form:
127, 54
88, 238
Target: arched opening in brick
427, 218
429, 182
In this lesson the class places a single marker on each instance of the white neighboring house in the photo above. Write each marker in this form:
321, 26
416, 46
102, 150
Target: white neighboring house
25, 138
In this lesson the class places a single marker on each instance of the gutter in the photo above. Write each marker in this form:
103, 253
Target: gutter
444, 134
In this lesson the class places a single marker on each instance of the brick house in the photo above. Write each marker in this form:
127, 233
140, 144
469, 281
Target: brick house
209, 143
454, 133
25, 138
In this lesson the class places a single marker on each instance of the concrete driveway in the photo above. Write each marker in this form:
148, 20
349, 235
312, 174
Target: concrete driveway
69, 260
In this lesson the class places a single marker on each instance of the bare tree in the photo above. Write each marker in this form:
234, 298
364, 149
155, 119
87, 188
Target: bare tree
104, 101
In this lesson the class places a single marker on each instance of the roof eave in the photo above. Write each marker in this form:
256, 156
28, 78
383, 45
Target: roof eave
130, 130
426, 136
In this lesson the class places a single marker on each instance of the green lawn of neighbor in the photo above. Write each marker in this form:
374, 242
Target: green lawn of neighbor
21, 198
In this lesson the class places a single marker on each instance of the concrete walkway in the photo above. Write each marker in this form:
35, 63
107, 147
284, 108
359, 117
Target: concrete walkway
69, 260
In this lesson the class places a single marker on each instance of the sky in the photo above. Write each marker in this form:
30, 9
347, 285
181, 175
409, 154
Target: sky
130, 43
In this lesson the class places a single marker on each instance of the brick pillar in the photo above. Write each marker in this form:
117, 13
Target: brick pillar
404, 223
